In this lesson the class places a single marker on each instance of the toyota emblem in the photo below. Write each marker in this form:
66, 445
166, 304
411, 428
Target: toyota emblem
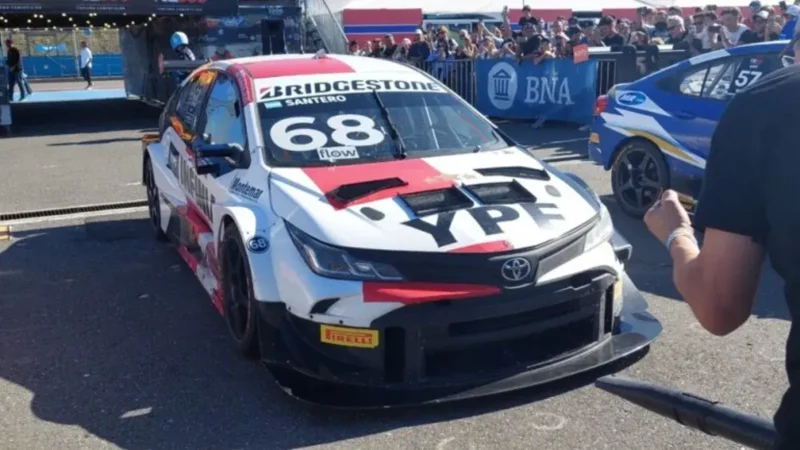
516, 269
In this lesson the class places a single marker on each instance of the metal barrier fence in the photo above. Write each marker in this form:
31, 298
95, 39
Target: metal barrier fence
328, 27
54, 53
458, 75
63, 42
612, 68
630, 64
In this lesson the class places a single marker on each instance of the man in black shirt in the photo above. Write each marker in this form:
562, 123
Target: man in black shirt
763, 29
531, 43
527, 18
608, 29
679, 38
390, 46
748, 208
14, 63
420, 50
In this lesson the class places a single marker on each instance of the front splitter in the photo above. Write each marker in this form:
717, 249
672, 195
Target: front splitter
638, 328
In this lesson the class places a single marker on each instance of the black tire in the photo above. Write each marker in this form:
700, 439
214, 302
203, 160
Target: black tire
638, 177
238, 301
153, 201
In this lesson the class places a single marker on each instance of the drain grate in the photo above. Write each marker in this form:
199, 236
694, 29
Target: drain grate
71, 210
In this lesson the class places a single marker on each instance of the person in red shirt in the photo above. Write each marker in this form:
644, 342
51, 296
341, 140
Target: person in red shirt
749, 21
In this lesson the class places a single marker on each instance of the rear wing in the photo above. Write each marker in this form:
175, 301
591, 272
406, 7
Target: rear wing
179, 65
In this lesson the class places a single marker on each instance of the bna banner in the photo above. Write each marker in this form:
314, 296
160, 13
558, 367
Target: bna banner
557, 89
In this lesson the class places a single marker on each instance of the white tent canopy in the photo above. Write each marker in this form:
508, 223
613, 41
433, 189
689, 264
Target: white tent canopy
496, 6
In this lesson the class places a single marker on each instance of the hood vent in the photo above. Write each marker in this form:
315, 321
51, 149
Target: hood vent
436, 202
501, 193
515, 172
347, 193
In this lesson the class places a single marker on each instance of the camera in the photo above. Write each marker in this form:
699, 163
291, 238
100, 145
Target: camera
714, 28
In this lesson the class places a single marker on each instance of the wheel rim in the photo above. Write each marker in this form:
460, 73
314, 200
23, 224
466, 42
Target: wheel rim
637, 179
237, 305
153, 201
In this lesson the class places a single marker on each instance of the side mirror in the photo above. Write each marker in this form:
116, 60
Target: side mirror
204, 154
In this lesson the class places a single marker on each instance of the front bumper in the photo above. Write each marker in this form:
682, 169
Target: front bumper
444, 351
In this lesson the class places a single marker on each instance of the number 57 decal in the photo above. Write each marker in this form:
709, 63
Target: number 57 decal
746, 78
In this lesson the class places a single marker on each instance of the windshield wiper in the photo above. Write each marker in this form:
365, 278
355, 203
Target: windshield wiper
398, 141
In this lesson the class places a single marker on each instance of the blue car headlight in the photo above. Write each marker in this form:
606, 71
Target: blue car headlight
332, 262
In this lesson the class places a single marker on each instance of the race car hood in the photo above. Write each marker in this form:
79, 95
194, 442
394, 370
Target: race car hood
476, 202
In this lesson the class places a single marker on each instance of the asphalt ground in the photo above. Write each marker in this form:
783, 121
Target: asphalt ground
108, 341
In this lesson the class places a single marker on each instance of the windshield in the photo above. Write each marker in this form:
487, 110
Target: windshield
352, 128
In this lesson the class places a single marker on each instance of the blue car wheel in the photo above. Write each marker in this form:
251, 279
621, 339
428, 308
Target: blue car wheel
638, 177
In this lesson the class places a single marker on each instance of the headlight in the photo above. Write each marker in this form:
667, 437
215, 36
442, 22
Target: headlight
601, 232
332, 262
605, 228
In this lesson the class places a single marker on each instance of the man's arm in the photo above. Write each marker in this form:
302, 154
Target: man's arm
719, 281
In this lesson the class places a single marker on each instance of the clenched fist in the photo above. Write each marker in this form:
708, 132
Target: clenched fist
667, 215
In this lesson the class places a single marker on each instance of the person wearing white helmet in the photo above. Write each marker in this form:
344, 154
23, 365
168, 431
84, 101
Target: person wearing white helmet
180, 43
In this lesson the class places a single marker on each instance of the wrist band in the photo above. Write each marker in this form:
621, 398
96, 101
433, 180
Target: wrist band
679, 232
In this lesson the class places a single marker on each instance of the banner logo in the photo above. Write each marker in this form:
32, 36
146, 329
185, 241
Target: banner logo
502, 85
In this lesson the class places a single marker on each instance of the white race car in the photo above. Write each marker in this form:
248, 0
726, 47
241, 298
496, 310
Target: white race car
377, 242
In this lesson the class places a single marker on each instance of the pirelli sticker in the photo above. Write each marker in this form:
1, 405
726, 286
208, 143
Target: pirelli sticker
349, 337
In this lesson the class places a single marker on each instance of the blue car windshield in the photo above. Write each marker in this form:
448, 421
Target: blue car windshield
352, 128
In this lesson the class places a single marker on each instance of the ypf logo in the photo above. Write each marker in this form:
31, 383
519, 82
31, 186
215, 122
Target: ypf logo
502, 85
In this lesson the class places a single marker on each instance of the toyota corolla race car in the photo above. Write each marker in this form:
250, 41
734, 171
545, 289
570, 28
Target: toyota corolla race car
655, 133
376, 242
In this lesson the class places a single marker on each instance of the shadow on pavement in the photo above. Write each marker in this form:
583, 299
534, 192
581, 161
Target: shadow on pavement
566, 142
651, 267
95, 142
47, 119
111, 332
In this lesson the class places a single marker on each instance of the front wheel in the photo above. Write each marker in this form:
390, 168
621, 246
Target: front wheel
237, 293
638, 177
153, 201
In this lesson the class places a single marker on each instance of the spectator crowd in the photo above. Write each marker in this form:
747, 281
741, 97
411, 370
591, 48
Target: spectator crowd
708, 29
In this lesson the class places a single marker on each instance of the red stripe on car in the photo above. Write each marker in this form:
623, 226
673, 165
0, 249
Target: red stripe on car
188, 258
195, 217
244, 81
418, 175
290, 67
416, 293
486, 247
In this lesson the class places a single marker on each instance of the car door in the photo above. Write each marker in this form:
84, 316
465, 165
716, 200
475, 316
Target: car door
183, 125
700, 94
695, 99
223, 123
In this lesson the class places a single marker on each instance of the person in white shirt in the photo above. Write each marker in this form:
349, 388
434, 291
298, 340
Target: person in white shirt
733, 28
86, 64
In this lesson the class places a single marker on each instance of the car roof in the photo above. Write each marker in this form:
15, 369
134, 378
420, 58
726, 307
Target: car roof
277, 66
758, 47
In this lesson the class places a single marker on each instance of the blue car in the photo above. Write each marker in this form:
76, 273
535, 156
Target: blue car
655, 133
